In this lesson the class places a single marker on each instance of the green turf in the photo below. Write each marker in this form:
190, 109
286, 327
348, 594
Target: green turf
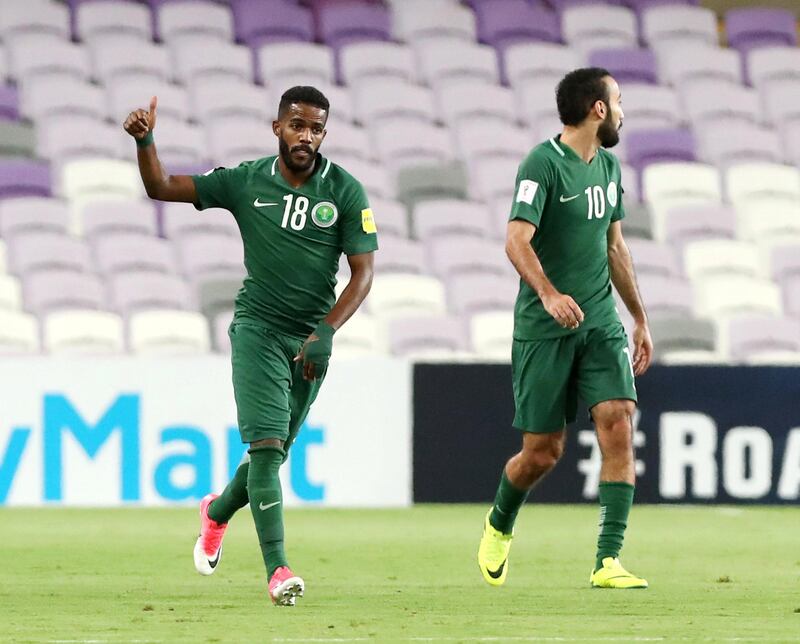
399, 575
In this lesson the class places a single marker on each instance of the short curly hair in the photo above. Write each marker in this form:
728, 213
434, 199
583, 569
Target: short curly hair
303, 94
578, 91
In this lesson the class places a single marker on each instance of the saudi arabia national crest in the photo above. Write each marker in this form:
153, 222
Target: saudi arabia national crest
324, 214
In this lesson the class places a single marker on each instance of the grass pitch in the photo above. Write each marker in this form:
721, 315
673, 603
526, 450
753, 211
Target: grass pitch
126, 575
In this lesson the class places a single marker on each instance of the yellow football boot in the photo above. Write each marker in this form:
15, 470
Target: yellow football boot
493, 553
613, 575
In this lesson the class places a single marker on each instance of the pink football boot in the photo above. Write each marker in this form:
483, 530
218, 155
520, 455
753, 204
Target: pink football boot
285, 587
208, 549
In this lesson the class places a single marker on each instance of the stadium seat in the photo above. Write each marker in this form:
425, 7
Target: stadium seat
209, 20
160, 333
474, 99
748, 181
491, 334
417, 20
216, 295
732, 294
680, 333
752, 143
373, 59
46, 291
749, 335
35, 53
675, 25
424, 182
646, 147
751, 27
179, 143
234, 139
630, 65
782, 101
182, 220
219, 328
502, 23
768, 64
428, 337
549, 126
378, 99
125, 94
339, 24
111, 19
638, 221
768, 219
443, 61
204, 256
697, 222
280, 21
459, 254
77, 332
493, 178
34, 16
539, 60
406, 295
28, 214
711, 100
57, 140
400, 255
307, 63
112, 56
599, 27
10, 293
9, 101
36, 251
127, 252
142, 290
24, 177
212, 98
708, 257
197, 56
653, 258
537, 99
361, 337
791, 295
784, 260
407, 142
19, 333
393, 218
481, 138
17, 139
649, 107
373, 177
664, 296
470, 293
699, 62
440, 217
85, 180
346, 140
341, 100
43, 97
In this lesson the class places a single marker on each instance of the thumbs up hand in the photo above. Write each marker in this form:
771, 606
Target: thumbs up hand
140, 122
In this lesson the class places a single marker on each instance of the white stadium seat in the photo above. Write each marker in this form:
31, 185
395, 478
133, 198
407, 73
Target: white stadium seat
198, 56
401, 295
540, 60
721, 257
90, 179
491, 334
444, 62
306, 63
767, 64
679, 25
87, 332
207, 19
10, 293
416, 20
19, 333
748, 181
34, 16
377, 99
722, 295
362, 336
599, 27
167, 332
108, 20
361, 60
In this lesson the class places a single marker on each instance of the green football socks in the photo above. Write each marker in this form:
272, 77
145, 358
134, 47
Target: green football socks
266, 504
507, 503
616, 500
233, 497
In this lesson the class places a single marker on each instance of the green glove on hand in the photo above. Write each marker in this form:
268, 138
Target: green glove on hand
319, 351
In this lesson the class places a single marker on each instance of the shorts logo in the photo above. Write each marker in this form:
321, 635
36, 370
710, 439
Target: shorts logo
612, 194
324, 214
527, 191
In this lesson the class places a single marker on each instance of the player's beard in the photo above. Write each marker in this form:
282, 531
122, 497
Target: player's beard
608, 133
286, 155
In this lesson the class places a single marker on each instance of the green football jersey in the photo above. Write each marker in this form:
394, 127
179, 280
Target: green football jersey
572, 204
293, 237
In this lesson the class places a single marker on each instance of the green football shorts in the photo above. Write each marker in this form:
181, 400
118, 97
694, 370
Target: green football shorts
272, 398
549, 375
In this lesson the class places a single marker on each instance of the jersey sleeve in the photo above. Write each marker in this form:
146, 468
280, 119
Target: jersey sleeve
534, 182
217, 188
359, 233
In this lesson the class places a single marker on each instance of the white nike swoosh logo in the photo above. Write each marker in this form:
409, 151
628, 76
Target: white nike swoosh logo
261, 506
563, 199
262, 204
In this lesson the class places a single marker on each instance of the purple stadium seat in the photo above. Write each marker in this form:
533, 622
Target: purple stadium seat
641, 5
627, 65
128, 252
650, 107
259, 21
210, 255
9, 102
340, 23
439, 217
34, 252
26, 214
791, 295
653, 146
111, 18
471, 293
46, 291
24, 177
426, 334
393, 216
141, 290
684, 224
751, 334
654, 258
505, 22
784, 262
752, 27
400, 255
466, 254
666, 295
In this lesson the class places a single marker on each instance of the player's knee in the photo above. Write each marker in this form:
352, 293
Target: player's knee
543, 456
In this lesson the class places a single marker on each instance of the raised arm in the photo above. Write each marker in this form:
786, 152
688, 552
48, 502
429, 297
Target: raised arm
560, 306
157, 182
623, 276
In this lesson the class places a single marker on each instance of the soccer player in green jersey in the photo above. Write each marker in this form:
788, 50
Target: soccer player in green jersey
297, 212
565, 240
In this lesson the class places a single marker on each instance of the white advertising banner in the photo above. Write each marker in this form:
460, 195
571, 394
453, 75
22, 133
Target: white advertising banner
157, 431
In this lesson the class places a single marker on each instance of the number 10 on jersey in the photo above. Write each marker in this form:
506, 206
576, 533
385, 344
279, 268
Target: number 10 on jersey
596, 197
296, 218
